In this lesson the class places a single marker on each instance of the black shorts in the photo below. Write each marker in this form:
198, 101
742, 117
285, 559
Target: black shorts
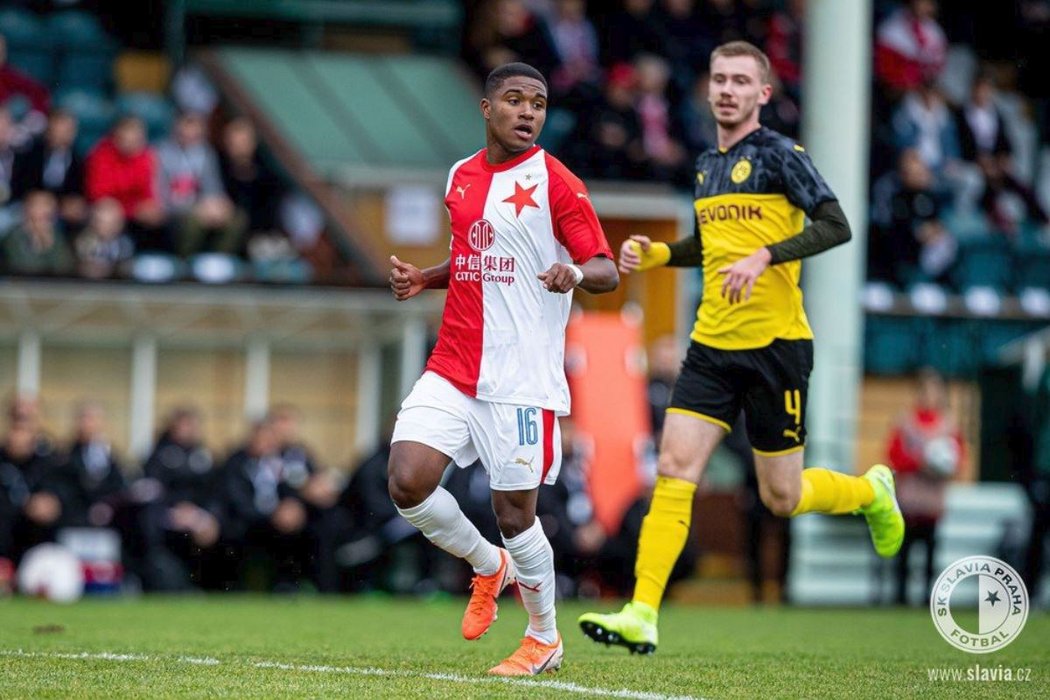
770, 385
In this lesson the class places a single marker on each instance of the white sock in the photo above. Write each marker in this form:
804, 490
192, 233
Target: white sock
534, 568
442, 522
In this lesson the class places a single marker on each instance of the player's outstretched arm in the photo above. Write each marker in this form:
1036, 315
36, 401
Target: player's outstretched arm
407, 280
597, 275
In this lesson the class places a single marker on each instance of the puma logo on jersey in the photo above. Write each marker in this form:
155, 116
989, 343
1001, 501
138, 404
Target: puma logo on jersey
792, 434
462, 189
519, 460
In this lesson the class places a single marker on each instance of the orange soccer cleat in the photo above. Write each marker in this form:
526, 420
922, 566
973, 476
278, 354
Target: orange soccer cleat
532, 658
482, 607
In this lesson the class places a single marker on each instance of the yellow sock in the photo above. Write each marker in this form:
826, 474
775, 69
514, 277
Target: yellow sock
835, 493
664, 532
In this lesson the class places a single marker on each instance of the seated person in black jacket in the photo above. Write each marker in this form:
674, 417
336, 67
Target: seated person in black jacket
264, 517
51, 163
88, 481
318, 490
177, 518
32, 510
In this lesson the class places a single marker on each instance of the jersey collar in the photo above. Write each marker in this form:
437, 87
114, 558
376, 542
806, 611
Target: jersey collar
507, 164
723, 151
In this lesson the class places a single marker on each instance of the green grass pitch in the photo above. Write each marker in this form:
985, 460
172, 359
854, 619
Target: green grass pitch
255, 647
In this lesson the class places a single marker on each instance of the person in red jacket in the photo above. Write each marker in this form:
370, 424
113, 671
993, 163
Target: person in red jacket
14, 82
910, 47
123, 166
926, 450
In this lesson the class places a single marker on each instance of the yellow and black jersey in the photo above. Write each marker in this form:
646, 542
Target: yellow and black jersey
754, 194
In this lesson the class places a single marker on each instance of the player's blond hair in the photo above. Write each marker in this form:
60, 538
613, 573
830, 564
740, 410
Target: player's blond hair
746, 48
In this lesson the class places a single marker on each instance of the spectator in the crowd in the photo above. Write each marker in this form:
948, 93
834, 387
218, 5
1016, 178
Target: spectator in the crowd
265, 518
8, 213
666, 156
726, 20
179, 523
104, 247
576, 76
316, 487
925, 450
14, 82
982, 130
191, 189
782, 113
700, 129
1008, 202
89, 479
250, 183
609, 143
27, 460
299, 468
910, 47
505, 31
37, 246
784, 46
123, 166
630, 30
909, 242
51, 163
687, 40
923, 121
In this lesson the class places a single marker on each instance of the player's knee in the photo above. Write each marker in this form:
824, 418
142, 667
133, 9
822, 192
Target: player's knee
673, 468
513, 522
781, 502
406, 490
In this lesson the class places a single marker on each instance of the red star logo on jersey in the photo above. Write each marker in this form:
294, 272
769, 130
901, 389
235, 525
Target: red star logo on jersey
522, 198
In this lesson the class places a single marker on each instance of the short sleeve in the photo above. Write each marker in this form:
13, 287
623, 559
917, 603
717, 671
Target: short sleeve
803, 185
576, 224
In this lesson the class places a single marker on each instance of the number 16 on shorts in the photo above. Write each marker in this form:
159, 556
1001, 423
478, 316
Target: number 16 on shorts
528, 431
533, 440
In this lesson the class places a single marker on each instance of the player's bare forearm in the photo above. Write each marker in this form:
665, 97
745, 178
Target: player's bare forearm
599, 275
828, 228
437, 277
596, 276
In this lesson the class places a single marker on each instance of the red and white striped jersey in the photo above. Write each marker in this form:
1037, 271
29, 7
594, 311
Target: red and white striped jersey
502, 335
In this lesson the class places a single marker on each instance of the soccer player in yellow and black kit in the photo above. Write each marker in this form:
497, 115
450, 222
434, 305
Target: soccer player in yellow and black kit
752, 346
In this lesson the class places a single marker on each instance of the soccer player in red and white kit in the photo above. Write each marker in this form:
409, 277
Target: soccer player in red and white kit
524, 236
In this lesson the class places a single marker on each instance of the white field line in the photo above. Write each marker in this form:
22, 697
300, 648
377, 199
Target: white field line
357, 671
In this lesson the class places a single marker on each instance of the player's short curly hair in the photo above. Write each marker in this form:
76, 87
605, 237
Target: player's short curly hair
746, 48
510, 70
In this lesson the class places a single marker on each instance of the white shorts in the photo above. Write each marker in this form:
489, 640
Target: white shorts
519, 446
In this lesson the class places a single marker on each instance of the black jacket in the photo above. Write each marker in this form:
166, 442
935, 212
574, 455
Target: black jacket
28, 172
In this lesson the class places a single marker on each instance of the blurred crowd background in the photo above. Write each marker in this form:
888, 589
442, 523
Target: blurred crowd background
93, 179
119, 165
